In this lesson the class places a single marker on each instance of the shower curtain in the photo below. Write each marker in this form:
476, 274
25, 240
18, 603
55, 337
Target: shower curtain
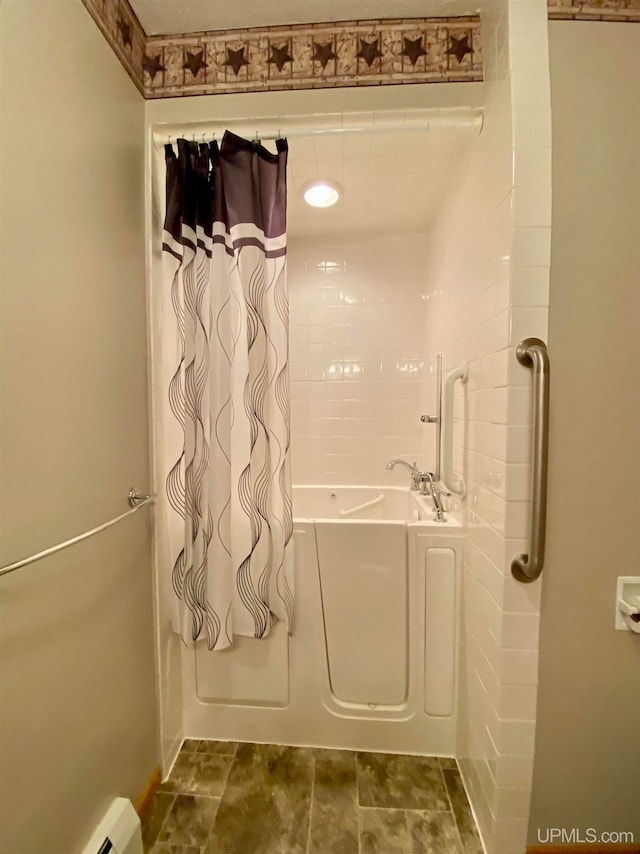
224, 351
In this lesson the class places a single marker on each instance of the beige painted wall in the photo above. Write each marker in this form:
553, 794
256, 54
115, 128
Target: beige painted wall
587, 765
77, 723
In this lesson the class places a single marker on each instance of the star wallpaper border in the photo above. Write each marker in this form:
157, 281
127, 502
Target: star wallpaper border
621, 11
350, 53
120, 26
312, 56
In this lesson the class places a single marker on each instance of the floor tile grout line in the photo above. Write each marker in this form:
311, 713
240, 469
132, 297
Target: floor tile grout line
219, 798
313, 789
446, 788
205, 845
226, 779
194, 795
224, 789
450, 799
408, 809
164, 820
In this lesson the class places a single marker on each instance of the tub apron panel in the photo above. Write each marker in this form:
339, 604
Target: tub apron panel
371, 664
364, 588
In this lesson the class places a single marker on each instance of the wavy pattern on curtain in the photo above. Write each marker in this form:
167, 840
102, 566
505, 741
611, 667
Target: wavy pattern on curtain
225, 360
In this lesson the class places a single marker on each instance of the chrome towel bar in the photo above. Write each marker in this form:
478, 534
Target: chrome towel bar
532, 352
135, 500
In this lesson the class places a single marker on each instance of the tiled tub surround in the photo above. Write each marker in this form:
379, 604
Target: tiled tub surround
357, 357
242, 798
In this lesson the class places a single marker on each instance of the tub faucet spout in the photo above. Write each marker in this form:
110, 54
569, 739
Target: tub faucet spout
416, 474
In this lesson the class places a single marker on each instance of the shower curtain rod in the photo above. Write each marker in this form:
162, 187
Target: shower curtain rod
269, 128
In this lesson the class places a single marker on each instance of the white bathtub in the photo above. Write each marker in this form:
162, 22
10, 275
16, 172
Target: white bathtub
371, 663
343, 503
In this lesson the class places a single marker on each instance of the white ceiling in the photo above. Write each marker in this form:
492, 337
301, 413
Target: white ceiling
391, 182
188, 16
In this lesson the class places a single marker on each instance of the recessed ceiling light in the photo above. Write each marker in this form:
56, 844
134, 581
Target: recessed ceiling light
321, 194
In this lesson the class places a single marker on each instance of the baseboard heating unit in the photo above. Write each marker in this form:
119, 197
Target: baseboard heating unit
118, 832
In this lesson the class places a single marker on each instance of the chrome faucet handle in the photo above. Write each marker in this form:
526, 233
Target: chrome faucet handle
428, 487
425, 483
430, 478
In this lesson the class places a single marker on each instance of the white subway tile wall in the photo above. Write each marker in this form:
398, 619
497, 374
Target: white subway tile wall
487, 283
356, 357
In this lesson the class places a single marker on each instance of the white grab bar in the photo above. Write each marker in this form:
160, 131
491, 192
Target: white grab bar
452, 482
364, 506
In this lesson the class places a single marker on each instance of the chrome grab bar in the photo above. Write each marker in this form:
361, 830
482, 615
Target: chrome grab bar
136, 500
532, 352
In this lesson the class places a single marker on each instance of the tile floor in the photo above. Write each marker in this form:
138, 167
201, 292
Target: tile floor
228, 798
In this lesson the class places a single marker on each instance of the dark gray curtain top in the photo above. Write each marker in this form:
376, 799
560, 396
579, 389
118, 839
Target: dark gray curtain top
238, 182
